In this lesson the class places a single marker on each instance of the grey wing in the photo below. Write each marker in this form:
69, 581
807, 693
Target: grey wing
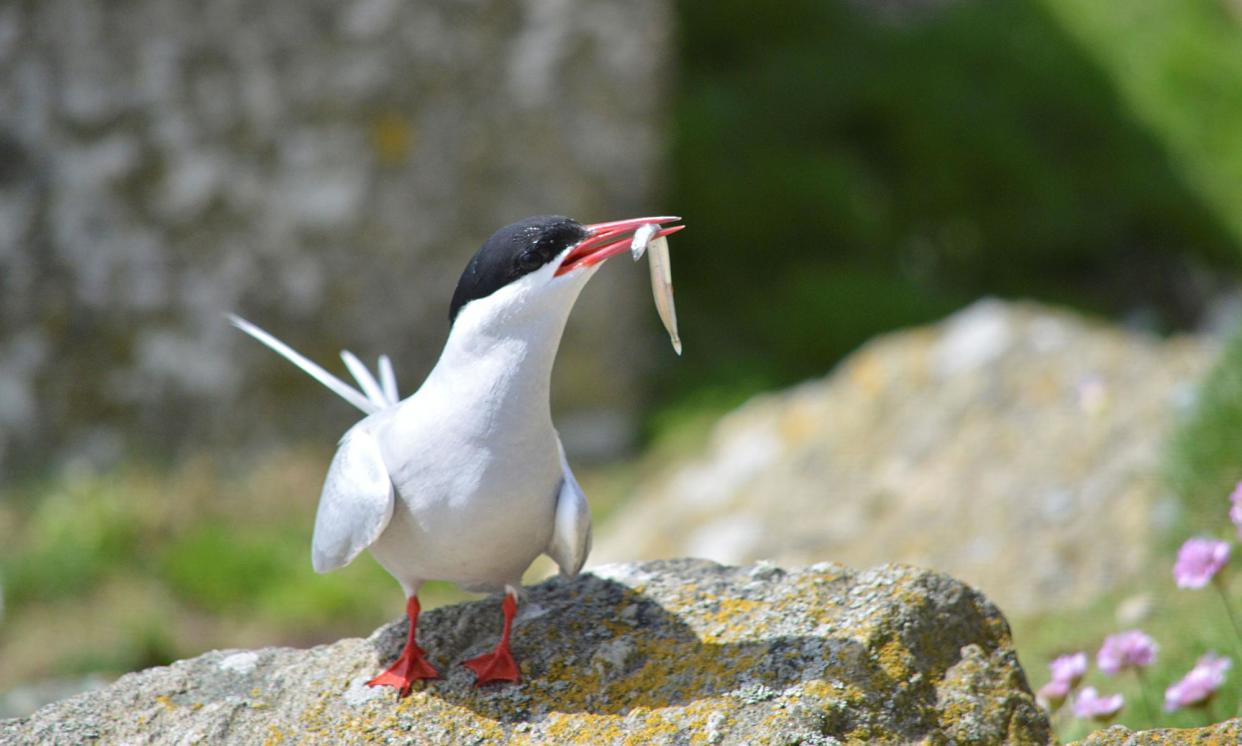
356, 504
571, 534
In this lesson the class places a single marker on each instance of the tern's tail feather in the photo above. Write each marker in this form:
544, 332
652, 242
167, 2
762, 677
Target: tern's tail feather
389, 379
375, 400
383, 397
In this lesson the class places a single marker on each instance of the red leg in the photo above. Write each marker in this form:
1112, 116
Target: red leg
410, 666
498, 665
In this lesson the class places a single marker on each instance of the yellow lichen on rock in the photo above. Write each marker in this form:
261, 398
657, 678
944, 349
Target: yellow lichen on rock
1227, 733
657, 653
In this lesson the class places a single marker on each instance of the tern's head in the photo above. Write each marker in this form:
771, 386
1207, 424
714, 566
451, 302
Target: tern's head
536, 267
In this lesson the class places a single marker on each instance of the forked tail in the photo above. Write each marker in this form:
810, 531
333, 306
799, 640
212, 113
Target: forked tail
374, 395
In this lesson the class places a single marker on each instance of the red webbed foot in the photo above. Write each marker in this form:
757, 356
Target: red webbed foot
498, 665
412, 664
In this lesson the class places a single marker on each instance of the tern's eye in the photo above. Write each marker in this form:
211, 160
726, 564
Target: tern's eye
529, 260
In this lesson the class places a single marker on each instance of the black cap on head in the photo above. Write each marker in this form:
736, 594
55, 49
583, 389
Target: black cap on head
513, 252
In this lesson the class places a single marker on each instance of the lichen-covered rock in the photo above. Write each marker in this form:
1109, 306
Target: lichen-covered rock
326, 166
1228, 733
683, 652
992, 446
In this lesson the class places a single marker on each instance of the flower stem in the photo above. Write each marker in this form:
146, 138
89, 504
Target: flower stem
1233, 619
1059, 721
1142, 680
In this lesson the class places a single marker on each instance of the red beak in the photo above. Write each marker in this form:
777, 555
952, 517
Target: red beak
609, 239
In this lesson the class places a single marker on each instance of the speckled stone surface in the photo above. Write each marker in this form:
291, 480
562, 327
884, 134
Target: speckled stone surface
1228, 733
991, 446
680, 652
326, 167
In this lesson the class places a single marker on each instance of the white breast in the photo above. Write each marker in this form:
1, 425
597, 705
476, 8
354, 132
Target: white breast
476, 482
473, 454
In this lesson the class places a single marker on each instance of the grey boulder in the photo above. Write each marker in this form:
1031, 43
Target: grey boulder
660, 652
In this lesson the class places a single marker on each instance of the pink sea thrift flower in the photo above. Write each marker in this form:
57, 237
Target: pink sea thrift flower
1069, 668
1089, 704
1198, 561
1198, 686
1130, 649
1067, 671
1235, 512
1052, 694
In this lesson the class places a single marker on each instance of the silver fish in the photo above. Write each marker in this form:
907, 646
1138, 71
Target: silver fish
642, 239
662, 287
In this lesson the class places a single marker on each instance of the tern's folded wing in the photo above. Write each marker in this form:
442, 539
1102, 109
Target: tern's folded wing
571, 534
356, 504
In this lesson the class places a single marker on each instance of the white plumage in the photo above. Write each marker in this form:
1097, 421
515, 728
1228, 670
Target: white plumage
466, 479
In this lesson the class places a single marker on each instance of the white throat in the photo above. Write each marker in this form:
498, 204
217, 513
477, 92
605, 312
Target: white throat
501, 349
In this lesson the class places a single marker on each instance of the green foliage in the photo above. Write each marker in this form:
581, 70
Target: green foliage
1177, 65
843, 175
80, 531
221, 567
1205, 457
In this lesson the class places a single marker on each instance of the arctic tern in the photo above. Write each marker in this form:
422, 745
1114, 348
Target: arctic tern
466, 480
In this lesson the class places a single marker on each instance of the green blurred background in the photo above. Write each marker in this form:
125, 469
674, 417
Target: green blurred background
845, 172
1086, 153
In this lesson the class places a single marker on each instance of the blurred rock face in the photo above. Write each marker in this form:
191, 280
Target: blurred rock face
1011, 445
326, 168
